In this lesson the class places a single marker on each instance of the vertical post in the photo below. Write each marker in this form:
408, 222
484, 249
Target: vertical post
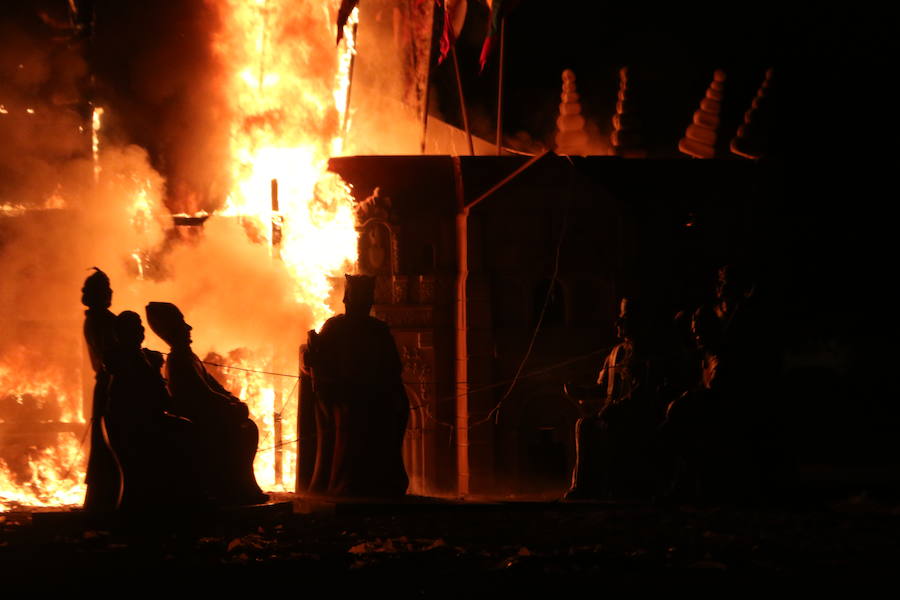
462, 351
276, 220
500, 88
462, 355
278, 408
462, 99
346, 122
277, 403
425, 115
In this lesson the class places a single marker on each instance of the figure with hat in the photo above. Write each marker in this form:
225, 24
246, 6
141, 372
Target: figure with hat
616, 453
227, 437
361, 404
103, 479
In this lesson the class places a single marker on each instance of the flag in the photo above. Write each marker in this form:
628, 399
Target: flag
344, 11
499, 10
454, 18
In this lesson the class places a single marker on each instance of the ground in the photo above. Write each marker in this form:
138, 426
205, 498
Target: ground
445, 548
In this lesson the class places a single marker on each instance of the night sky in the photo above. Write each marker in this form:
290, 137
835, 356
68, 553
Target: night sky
831, 65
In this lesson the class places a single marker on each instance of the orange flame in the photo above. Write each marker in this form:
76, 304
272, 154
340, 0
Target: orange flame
289, 93
47, 469
288, 89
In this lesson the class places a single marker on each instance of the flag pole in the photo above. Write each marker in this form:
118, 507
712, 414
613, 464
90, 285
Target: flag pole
500, 88
462, 99
424, 143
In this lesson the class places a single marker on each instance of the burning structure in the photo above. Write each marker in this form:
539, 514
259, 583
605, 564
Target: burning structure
238, 122
198, 172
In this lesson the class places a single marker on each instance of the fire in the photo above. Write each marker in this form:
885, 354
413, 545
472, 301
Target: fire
289, 92
274, 411
43, 462
96, 124
287, 122
56, 476
288, 89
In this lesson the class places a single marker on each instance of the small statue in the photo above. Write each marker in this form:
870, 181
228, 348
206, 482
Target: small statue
154, 447
103, 478
619, 415
723, 429
227, 437
361, 404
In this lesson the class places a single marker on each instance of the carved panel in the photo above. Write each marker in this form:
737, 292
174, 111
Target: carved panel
383, 290
399, 289
417, 372
406, 317
376, 249
422, 289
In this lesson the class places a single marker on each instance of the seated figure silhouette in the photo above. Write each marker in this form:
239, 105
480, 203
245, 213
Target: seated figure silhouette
721, 428
103, 480
362, 407
153, 446
226, 437
616, 434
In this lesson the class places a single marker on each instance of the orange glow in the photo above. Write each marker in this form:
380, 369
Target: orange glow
49, 471
96, 124
288, 86
280, 107
286, 124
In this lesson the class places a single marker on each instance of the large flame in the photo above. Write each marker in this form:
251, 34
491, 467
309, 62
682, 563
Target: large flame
41, 416
288, 88
286, 125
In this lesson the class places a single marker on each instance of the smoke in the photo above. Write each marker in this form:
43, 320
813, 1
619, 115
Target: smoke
160, 80
164, 148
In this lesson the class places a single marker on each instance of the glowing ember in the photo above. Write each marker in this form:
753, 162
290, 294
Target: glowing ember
96, 123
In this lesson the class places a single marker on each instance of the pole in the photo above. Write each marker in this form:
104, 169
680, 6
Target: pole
346, 123
277, 404
462, 99
425, 115
500, 88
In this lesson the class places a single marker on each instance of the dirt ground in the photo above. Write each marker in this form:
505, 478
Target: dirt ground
438, 548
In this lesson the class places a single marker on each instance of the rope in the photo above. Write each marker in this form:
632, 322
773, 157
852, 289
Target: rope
495, 412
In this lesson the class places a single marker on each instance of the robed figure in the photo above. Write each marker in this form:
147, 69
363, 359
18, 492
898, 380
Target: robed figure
155, 448
227, 438
103, 480
616, 453
722, 428
361, 404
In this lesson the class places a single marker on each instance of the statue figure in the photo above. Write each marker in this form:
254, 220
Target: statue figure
615, 436
361, 404
153, 446
103, 479
226, 437
722, 428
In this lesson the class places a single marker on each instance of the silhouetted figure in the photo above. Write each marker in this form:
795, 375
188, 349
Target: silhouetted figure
751, 358
227, 438
154, 447
722, 427
103, 480
361, 403
615, 437
701, 425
